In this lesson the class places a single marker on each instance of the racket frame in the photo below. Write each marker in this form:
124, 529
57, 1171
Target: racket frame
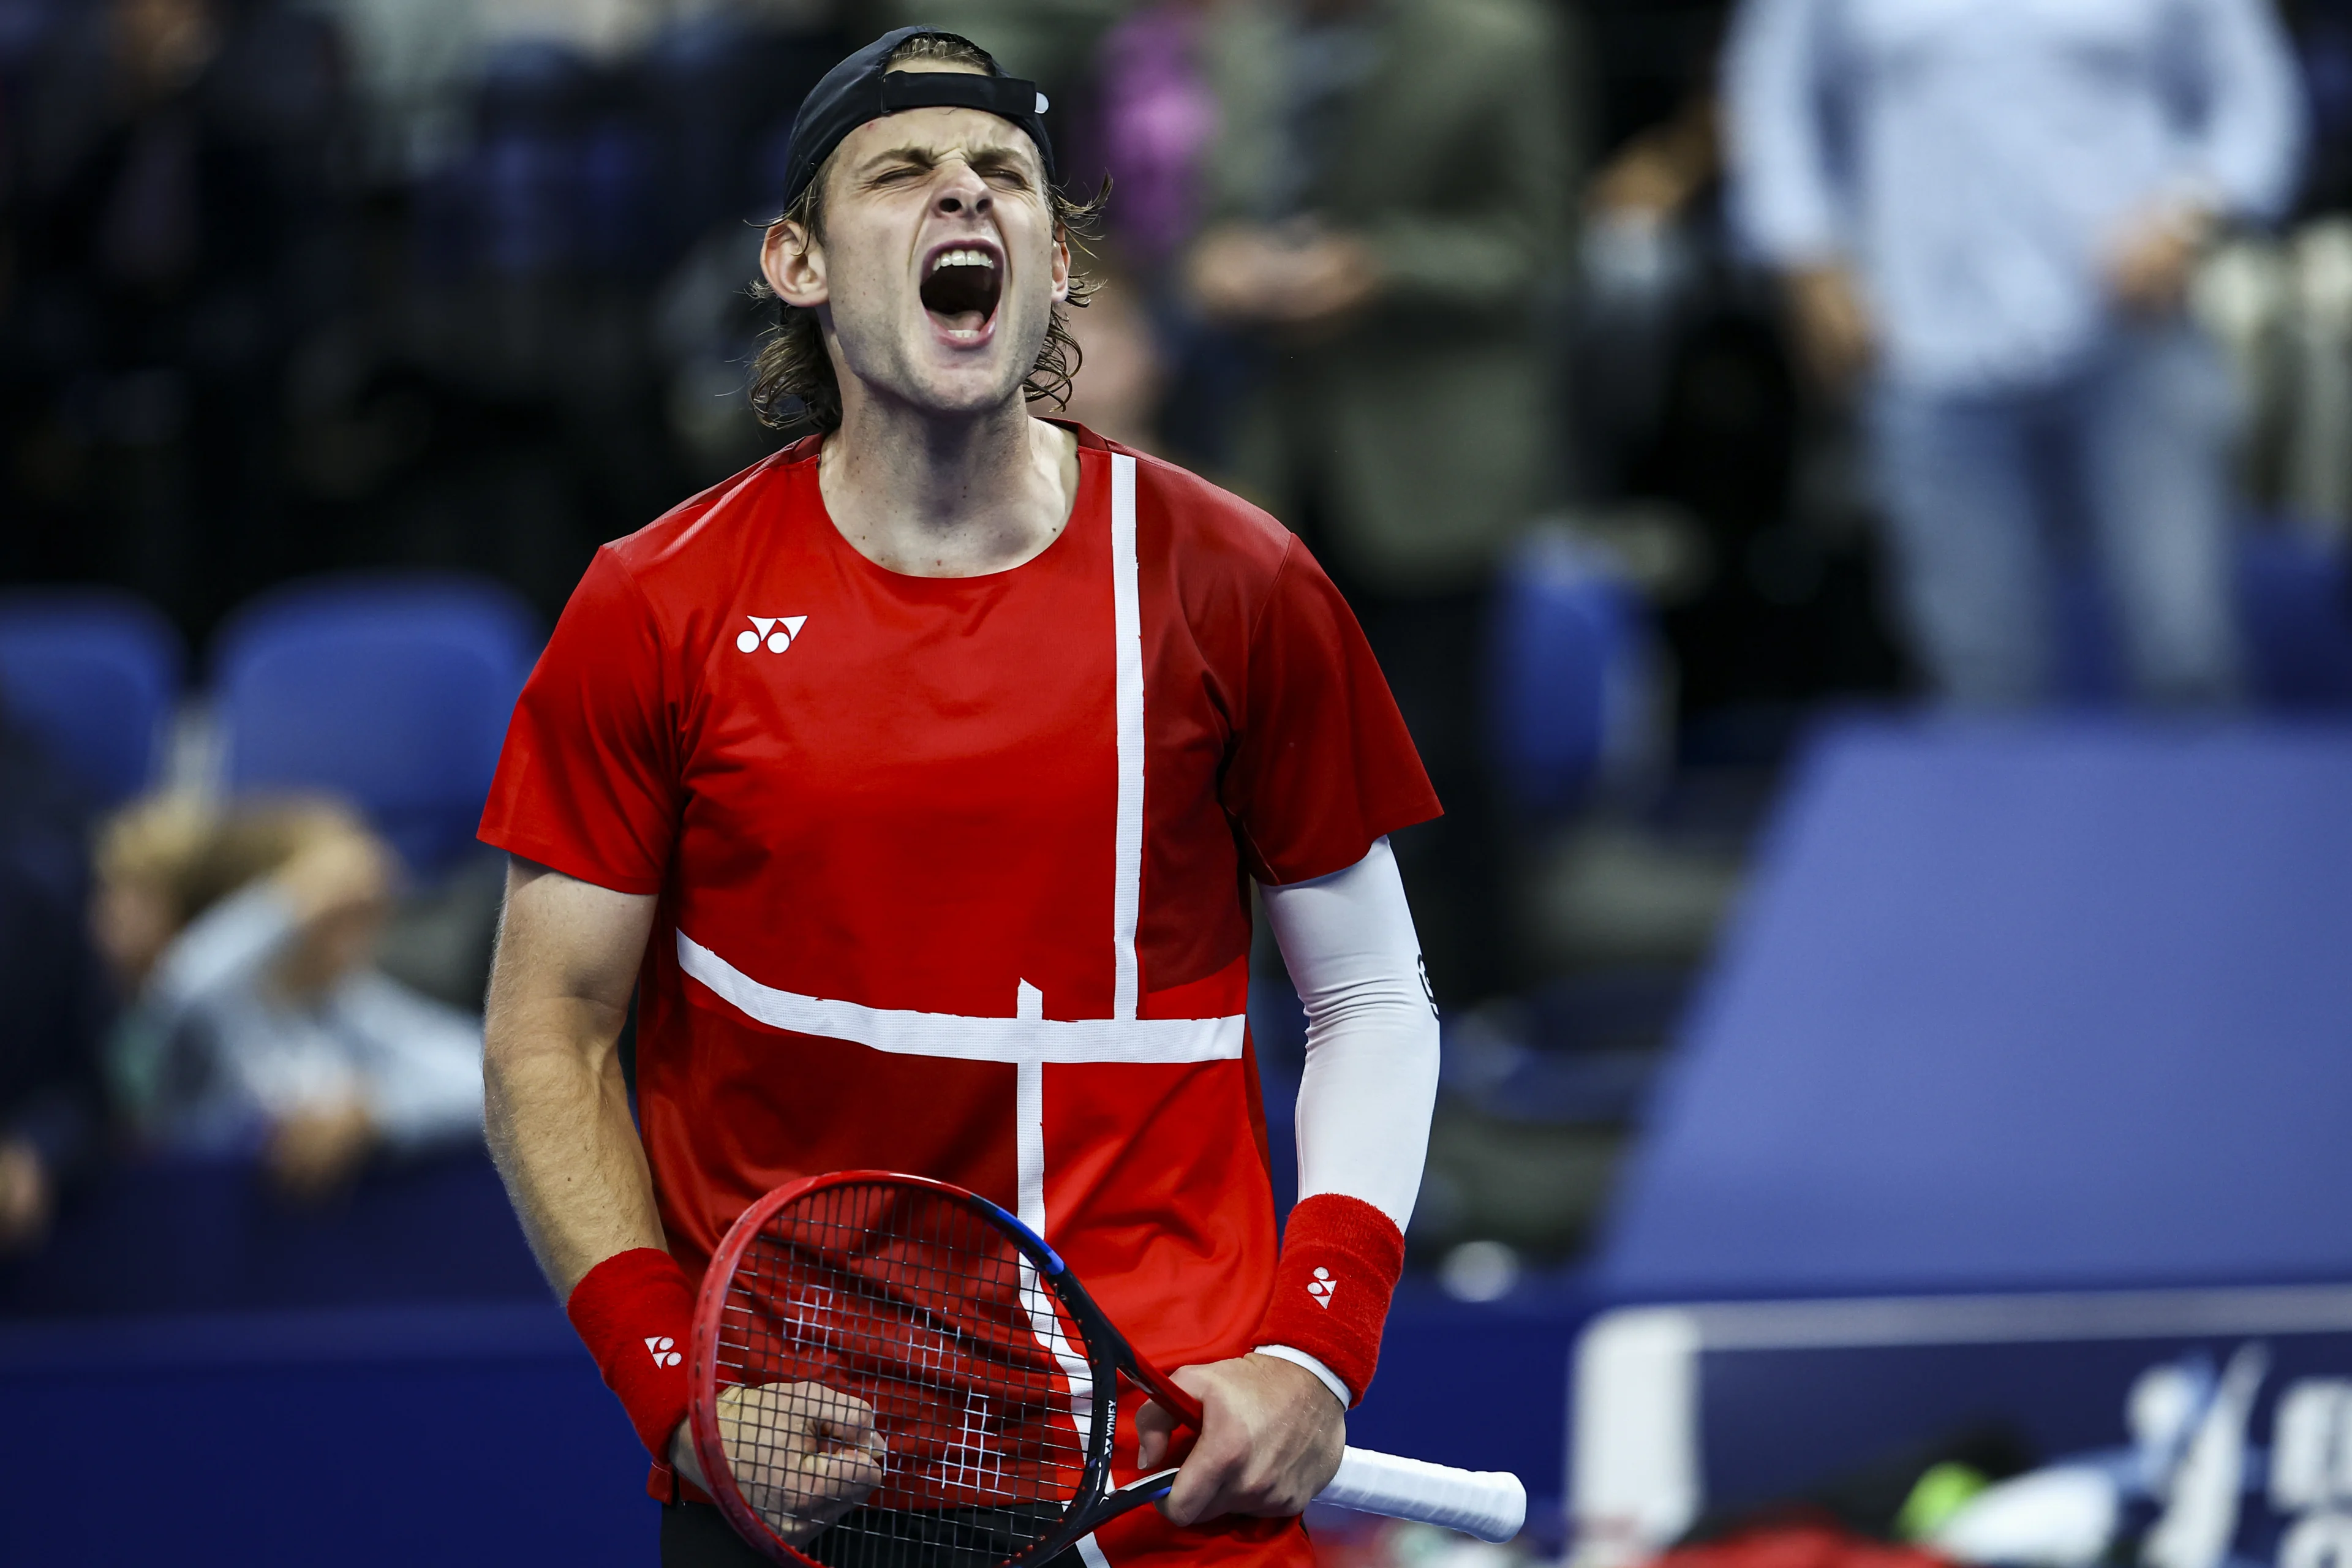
1109, 1355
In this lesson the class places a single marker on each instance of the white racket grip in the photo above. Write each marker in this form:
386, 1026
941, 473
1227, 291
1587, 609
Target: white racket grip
1489, 1504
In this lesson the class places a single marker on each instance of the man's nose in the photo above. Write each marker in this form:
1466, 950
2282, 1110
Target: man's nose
961, 190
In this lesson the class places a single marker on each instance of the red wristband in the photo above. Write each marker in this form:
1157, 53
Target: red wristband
1340, 1259
636, 1312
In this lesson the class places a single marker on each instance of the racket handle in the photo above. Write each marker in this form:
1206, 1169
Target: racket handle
1489, 1504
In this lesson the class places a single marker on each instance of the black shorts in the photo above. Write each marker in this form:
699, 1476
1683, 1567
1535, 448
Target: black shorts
697, 1535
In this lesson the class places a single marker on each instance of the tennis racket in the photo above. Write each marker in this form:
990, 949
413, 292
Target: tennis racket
890, 1371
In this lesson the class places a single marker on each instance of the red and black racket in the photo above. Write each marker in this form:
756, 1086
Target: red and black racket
894, 1372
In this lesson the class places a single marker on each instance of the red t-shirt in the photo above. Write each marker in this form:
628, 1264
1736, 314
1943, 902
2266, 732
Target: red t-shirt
952, 871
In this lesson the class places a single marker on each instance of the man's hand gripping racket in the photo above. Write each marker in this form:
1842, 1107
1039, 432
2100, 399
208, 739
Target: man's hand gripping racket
894, 1372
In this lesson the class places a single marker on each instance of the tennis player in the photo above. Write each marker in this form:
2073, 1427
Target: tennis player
950, 713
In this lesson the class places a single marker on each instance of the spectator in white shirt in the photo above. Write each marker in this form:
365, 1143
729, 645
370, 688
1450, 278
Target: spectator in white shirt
258, 1023
1987, 213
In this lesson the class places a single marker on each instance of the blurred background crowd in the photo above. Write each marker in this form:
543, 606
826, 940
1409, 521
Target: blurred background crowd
1654, 376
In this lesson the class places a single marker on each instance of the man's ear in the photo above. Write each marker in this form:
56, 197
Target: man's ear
1061, 266
794, 265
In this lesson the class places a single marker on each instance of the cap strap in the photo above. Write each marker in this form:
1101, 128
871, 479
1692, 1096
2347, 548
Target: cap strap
1004, 95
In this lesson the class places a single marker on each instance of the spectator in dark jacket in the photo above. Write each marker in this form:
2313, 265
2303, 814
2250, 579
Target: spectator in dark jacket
171, 180
1386, 206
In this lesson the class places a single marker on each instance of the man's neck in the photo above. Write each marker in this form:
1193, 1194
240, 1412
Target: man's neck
947, 498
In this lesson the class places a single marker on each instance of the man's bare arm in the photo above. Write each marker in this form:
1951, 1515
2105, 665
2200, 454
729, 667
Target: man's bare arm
557, 1113
558, 1118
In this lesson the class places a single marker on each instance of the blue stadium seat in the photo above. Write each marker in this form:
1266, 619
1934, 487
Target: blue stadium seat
392, 692
2296, 593
1567, 672
93, 674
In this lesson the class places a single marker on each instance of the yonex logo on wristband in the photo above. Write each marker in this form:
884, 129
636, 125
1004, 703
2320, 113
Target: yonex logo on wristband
1321, 1287
776, 631
662, 1354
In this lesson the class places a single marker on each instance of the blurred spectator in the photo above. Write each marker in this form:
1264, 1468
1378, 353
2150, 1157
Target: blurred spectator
706, 328
174, 233
1991, 211
1642, 266
1052, 42
52, 994
2323, 31
1387, 200
258, 1022
733, 98
1116, 393
1655, 176
410, 61
1159, 118
1158, 121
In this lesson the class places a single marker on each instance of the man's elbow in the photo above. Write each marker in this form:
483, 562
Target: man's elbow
523, 1039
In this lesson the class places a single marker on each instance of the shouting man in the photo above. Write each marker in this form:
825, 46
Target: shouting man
948, 713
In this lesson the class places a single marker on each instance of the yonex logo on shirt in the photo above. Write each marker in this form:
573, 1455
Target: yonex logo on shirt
776, 631
662, 1354
1321, 1287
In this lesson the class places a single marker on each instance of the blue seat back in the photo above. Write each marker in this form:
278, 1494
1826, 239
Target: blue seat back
1567, 673
2295, 612
391, 692
2295, 592
93, 676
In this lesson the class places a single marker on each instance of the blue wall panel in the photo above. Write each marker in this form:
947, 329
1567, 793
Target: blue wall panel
2020, 1006
453, 1437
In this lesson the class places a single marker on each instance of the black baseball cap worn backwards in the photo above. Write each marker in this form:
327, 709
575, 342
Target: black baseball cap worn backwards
860, 89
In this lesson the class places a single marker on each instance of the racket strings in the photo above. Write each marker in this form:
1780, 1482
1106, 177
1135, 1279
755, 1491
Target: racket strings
899, 1388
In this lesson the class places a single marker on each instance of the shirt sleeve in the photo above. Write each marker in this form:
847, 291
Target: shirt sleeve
420, 1062
588, 783
2245, 152
1323, 766
1784, 197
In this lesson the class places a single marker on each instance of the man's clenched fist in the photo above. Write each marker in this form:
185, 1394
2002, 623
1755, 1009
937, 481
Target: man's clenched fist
802, 1453
1270, 1439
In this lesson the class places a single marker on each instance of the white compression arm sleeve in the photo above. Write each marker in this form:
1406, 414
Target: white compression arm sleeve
1371, 1033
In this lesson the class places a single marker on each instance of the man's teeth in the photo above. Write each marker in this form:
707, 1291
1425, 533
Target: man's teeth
964, 259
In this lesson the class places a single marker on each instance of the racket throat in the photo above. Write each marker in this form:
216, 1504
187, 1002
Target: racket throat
1134, 1495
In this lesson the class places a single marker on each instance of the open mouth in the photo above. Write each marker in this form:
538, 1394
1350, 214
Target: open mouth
961, 288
